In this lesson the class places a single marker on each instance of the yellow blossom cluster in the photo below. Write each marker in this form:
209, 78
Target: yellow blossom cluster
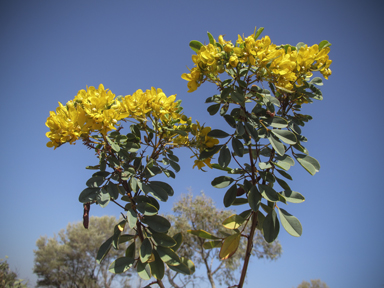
285, 66
99, 110
198, 142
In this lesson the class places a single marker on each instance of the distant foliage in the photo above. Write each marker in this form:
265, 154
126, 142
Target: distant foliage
8, 278
69, 259
314, 284
200, 211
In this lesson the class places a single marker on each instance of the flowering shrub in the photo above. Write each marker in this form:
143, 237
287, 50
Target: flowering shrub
264, 139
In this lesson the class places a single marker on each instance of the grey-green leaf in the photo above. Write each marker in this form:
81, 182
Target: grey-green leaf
254, 199
269, 193
224, 157
238, 147
277, 145
285, 136
121, 265
145, 250
157, 223
222, 181
217, 133
230, 195
271, 226
290, 223
309, 163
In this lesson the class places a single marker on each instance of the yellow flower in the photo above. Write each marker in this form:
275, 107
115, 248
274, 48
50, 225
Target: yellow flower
233, 60
202, 163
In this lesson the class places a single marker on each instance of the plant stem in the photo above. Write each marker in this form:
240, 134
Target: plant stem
248, 252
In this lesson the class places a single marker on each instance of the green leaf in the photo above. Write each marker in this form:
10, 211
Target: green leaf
211, 39
145, 250
203, 234
132, 218
324, 44
144, 271
283, 184
240, 201
285, 174
268, 193
217, 133
230, 196
103, 198
293, 197
230, 245
156, 190
157, 223
173, 157
207, 153
121, 265
213, 109
260, 221
299, 45
254, 198
125, 238
114, 146
233, 222
174, 165
224, 156
317, 81
146, 209
259, 31
112, 190
179, 239
271, 99
238, 97
95, 182
264, 165
285, 136
230, 120
309, 163
225, 93
88, 195
290, 223
271, 227
238, 147
103, 250
277, 145
222, 181
195, 45
240, 130
245, 214
168, 188
163, 240
168, 256
276, 122
181, 268
131, 249
212, 244
251, 131
157, 266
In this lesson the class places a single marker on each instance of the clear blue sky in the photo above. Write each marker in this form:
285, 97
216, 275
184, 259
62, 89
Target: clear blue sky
51, 49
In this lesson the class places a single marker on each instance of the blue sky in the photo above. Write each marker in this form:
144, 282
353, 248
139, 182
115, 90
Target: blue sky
52, 49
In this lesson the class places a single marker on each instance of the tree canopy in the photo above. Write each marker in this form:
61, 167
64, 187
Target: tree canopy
200, 212
69, 259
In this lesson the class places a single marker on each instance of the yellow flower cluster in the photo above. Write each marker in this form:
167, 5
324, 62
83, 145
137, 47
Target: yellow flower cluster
198, 143
89, 111
98, 110
286, 67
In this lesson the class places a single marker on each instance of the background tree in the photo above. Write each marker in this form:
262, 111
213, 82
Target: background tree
8, 278
201, 213
69, 258
314, 284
